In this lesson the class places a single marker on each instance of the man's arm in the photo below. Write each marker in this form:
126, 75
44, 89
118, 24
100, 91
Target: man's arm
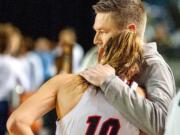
147, 114
34, 107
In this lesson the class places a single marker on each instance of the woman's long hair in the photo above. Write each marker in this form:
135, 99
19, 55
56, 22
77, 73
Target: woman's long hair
123, 53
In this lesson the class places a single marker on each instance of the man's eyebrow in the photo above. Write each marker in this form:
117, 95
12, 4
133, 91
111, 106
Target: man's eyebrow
96, 28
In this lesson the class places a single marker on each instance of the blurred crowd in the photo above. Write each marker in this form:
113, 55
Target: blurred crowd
163, 25
26, 63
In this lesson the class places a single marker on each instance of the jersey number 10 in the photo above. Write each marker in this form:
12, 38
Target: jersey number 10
111, 124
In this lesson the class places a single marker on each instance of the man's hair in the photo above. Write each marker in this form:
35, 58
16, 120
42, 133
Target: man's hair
125, 12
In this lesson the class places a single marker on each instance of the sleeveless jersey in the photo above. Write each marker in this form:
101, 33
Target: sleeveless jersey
93, 115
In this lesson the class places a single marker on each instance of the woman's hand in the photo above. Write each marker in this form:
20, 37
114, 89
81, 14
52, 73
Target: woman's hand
19, 123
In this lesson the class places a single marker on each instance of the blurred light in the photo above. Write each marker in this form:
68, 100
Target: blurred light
19, 89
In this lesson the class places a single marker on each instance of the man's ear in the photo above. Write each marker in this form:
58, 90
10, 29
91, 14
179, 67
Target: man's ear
132, 27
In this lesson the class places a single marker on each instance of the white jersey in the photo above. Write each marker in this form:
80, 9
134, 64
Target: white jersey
93, 115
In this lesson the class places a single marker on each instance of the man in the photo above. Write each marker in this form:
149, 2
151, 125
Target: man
112, 17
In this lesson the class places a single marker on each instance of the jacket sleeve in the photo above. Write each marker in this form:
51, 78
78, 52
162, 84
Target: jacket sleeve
148, 114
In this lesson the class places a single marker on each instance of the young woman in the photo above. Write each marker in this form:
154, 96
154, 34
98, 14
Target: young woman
81, 108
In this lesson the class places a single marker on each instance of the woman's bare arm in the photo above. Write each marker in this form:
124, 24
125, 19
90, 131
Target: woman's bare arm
33, 108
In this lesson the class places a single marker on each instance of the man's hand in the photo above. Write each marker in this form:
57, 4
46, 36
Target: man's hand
98, 74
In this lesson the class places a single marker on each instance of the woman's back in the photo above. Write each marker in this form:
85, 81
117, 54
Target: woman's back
93, 115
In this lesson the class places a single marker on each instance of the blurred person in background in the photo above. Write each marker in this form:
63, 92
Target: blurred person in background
162, 36
67, 36
43, 47
7, 80
64, 62
21, 67
90, 59
17, 52
36, 74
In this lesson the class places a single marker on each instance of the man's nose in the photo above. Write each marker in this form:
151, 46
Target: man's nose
97, 40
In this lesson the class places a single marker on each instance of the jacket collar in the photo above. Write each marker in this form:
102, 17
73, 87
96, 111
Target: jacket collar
150, 48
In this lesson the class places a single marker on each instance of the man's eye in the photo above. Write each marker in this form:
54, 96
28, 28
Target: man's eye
101, 32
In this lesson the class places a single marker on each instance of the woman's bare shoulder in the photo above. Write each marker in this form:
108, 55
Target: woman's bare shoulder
62, 79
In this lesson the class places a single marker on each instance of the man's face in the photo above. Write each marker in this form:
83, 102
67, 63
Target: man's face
105, 28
